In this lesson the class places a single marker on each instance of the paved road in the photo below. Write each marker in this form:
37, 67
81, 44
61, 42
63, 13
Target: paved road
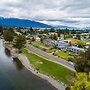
52, 57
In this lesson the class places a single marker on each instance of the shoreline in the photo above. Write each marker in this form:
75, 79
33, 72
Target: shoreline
29, 66
24, 60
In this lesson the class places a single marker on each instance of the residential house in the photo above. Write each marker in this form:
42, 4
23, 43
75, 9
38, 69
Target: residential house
49, 42
62, 45
33, 36
75, 49
87, 45
53, 33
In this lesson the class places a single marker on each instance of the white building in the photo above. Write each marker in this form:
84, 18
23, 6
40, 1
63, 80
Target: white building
75, 49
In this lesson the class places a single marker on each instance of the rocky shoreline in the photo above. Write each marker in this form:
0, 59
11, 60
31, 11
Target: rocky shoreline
26, 63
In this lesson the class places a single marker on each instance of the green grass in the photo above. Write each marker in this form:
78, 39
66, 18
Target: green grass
74, 41
52, 69
50, 50
64, 55
85, 41
38, 44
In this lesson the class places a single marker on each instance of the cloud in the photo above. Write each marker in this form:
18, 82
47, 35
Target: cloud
53, 12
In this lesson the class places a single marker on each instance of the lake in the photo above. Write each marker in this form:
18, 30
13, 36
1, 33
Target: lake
14, 76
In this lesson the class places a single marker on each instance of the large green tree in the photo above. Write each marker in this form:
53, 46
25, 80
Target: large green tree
20, 41
54, 37
1, 29
78, 37
81, 44
82, 61
82, 82
8, 35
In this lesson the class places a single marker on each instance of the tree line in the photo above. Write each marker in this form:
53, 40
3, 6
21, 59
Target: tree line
18, 40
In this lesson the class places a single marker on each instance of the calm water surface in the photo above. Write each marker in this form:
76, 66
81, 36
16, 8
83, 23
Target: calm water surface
14, 76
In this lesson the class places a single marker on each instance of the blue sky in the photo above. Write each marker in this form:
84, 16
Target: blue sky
52, 12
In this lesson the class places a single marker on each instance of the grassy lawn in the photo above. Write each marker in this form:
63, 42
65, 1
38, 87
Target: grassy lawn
72, 40
85, 41
38, 43
52, 69
75, 41
64, 55
50, 50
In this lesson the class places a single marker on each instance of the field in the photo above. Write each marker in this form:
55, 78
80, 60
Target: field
49, 68
65, 55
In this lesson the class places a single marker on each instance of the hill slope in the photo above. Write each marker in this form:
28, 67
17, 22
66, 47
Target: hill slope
14, 22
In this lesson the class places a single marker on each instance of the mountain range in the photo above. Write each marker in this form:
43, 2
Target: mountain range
15, 22
64, 27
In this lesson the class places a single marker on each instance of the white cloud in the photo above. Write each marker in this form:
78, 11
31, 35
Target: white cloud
53, 12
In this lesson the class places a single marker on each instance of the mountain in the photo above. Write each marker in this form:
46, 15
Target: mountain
15, 22
64, 27
87, 28
71, 28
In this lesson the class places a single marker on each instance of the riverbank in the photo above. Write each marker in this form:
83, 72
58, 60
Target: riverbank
26, 63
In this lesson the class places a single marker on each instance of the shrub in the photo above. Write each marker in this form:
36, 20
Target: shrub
70, 58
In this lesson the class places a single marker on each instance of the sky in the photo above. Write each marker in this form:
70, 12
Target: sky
74, 13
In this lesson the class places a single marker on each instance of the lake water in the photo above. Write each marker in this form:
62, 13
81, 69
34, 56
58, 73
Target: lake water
14, 76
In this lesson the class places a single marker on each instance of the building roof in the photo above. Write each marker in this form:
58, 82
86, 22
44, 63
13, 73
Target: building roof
61, 47
88, 43
76, 48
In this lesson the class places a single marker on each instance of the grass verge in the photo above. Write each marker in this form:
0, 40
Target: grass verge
49, 68
65, 55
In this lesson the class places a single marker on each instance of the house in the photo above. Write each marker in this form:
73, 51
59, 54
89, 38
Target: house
49, 42
54, 42
75, 49
62, 45
18, 33
33, 36
62, 36
87, 45
53, 33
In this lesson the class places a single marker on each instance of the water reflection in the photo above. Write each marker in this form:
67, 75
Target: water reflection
7, 52
18, 63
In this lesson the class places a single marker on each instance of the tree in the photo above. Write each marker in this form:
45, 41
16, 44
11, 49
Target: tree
1, 29
54, 37
70, 43
52, 30
82, 82
82, 61
20, 41
81, 44
41, 39
78, 37
32, 31
65, 35
8, 35
46, 31
33, 39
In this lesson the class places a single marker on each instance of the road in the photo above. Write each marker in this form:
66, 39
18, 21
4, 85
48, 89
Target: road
52, 57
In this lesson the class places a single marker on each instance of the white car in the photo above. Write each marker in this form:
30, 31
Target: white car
71, 63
